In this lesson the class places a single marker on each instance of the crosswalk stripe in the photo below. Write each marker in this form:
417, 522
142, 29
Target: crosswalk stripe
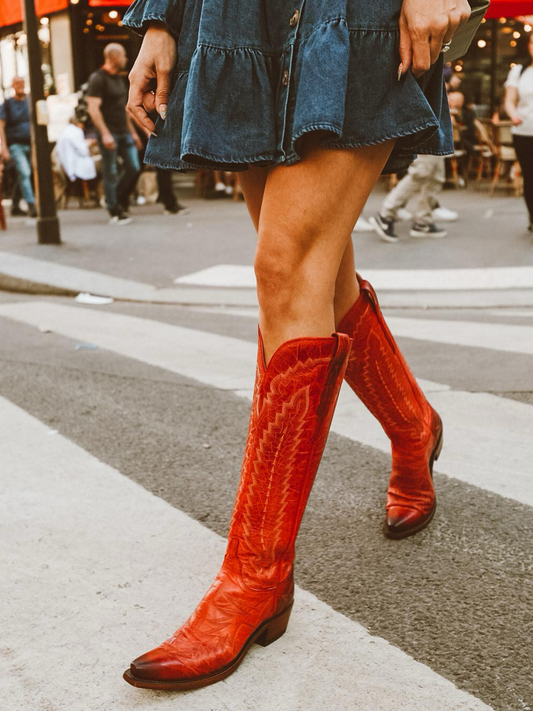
488, 438
96, 570
488, 278
495, 336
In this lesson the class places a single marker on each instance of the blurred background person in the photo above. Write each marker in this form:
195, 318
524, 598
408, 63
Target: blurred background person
519, 107
73, 152
424, 180
15, 137
107, 96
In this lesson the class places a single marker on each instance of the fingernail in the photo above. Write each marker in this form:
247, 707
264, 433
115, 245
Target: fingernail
153, 134
400, 70
163, 111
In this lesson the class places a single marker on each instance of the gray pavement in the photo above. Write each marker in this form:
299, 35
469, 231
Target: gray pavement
456, 598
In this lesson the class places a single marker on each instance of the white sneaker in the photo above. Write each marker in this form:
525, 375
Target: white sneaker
404, 215
442, 214
363, 225
229, 189
220, 187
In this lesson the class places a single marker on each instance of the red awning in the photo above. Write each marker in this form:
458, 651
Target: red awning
110, 3
510, 8
11, 13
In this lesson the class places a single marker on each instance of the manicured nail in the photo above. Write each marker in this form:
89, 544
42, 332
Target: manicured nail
163, 111
153, 134
400, 70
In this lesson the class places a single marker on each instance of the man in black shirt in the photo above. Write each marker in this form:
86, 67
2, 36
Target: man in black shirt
107, 97
15, 139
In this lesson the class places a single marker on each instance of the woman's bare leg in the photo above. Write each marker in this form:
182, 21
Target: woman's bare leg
253, 184
306, 216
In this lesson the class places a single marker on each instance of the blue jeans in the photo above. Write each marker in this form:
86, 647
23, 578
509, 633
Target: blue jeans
118, 188
21, 157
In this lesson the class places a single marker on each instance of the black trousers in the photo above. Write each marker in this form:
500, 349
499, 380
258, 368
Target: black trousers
524, 152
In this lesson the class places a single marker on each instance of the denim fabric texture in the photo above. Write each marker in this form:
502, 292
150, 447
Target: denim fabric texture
21, 157
118, 187
253, 76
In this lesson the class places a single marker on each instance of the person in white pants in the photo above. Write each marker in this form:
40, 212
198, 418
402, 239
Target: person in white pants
424, 179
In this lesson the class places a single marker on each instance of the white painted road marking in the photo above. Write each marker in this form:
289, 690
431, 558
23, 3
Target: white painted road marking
238, 275
488, 438
96, 570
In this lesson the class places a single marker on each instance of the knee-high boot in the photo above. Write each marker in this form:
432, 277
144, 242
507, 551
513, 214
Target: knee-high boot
379, 375
252, 595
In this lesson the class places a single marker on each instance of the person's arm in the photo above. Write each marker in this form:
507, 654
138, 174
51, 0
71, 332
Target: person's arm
4, 150
93, 107
3, 142
511, 104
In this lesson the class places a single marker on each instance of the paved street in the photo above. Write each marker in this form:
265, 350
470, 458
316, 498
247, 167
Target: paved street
123, 431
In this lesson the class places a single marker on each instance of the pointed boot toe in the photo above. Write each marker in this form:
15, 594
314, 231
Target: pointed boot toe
402, 522
154, 669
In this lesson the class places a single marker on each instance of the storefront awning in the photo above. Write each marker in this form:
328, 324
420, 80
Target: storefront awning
510, 8
110, 3
12, 13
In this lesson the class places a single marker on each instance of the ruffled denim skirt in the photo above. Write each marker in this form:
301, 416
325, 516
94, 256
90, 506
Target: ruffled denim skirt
253, 76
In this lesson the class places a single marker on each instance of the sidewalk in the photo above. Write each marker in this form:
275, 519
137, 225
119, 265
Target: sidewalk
487, 258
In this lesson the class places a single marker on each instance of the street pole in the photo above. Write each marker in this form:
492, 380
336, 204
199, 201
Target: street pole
47, 222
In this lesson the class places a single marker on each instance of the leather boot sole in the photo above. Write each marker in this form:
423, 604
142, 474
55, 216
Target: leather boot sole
397, 535
267, 632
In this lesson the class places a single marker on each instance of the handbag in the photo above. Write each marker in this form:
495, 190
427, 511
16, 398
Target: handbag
462, 39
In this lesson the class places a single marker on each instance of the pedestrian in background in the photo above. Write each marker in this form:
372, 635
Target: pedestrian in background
15, 138
519, 107
424, 180
107, 96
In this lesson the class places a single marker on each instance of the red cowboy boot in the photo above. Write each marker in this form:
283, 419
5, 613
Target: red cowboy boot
252, 596
379, 375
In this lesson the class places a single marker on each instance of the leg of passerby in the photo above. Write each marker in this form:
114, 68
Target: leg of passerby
21, 156
16, 197
441, 213
397, 199
427, 170
524, 152
130, 170
167, 195
109, 180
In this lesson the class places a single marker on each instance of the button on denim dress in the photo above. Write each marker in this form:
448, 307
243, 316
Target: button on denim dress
253, 76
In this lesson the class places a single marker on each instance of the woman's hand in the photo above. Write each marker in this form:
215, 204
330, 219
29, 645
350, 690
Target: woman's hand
150, 76
425, 25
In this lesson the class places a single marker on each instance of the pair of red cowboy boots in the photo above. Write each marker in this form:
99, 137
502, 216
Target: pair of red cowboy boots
293, 404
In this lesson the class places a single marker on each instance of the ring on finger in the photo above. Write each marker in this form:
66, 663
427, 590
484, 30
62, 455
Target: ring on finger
446, 46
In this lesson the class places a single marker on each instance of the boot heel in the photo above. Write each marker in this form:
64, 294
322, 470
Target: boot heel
275, 629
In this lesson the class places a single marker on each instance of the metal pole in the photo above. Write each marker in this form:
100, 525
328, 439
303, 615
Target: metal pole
493, 65
47, 222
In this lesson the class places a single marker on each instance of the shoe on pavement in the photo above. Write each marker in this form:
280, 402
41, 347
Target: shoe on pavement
122, 218
384, 226
177, 210
419, 230
363, 225
442, 214
17, 211
404, 215
32, 212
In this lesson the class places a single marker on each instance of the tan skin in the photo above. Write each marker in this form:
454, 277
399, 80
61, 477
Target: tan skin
304, 213
511, 93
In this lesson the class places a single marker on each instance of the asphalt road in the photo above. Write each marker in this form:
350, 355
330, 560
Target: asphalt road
457, 598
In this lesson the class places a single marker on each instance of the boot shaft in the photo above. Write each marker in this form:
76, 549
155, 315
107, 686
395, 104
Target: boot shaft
293, 404
380, 376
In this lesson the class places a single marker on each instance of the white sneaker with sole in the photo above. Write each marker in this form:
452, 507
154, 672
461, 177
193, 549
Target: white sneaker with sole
418, 230
442, 214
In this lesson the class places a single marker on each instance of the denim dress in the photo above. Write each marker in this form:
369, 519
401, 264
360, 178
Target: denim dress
253, 76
